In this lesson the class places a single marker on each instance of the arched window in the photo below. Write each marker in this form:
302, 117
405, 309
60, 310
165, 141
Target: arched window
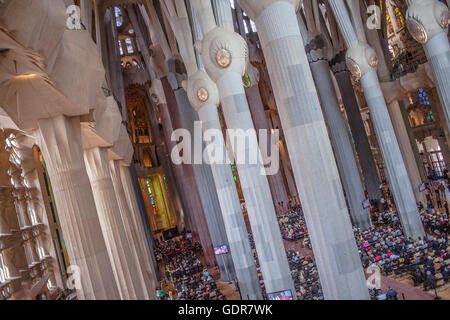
129, 45
119, 17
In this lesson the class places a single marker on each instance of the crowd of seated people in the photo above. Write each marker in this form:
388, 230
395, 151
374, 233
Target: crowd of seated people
169, 248
305, 275
182, 264
427, 260
185, 271
384, 245
292, 225
198, 287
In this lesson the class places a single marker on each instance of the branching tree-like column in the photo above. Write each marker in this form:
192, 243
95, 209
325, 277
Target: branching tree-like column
427, 21
204, 97
224, 55
362, 61
315, 170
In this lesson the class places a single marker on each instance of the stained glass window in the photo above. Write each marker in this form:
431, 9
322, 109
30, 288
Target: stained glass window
233, 168
399, 18
389, 24
152, 199
423, 97
119, 17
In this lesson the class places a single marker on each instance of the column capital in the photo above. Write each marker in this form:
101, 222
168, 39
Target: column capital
201, 90
223, 52
361, 59
254, 8
426, 18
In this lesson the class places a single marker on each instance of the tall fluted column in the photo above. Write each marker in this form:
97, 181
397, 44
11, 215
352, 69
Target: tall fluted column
183, 173
207, 190
362, 145
124, 267
143, 243
406, 150
315, 169
427, 21
276, 183
130, 229
60, 141
203, 96
199, 215
223, 14
361, 61
224, 55
343, 150
226, 188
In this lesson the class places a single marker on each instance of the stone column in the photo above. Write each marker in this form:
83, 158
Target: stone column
235, 227
60, 141
223, 14
224, 55
115, 69
412, 139
206, 187
130, 229
444, 149
157, 94
315, 170
203, 96
343, 149
427, 21
163, 155
124, 267
361, 61
406, 149
199, 215
149, 262
362, 145
184, 173
276, 183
